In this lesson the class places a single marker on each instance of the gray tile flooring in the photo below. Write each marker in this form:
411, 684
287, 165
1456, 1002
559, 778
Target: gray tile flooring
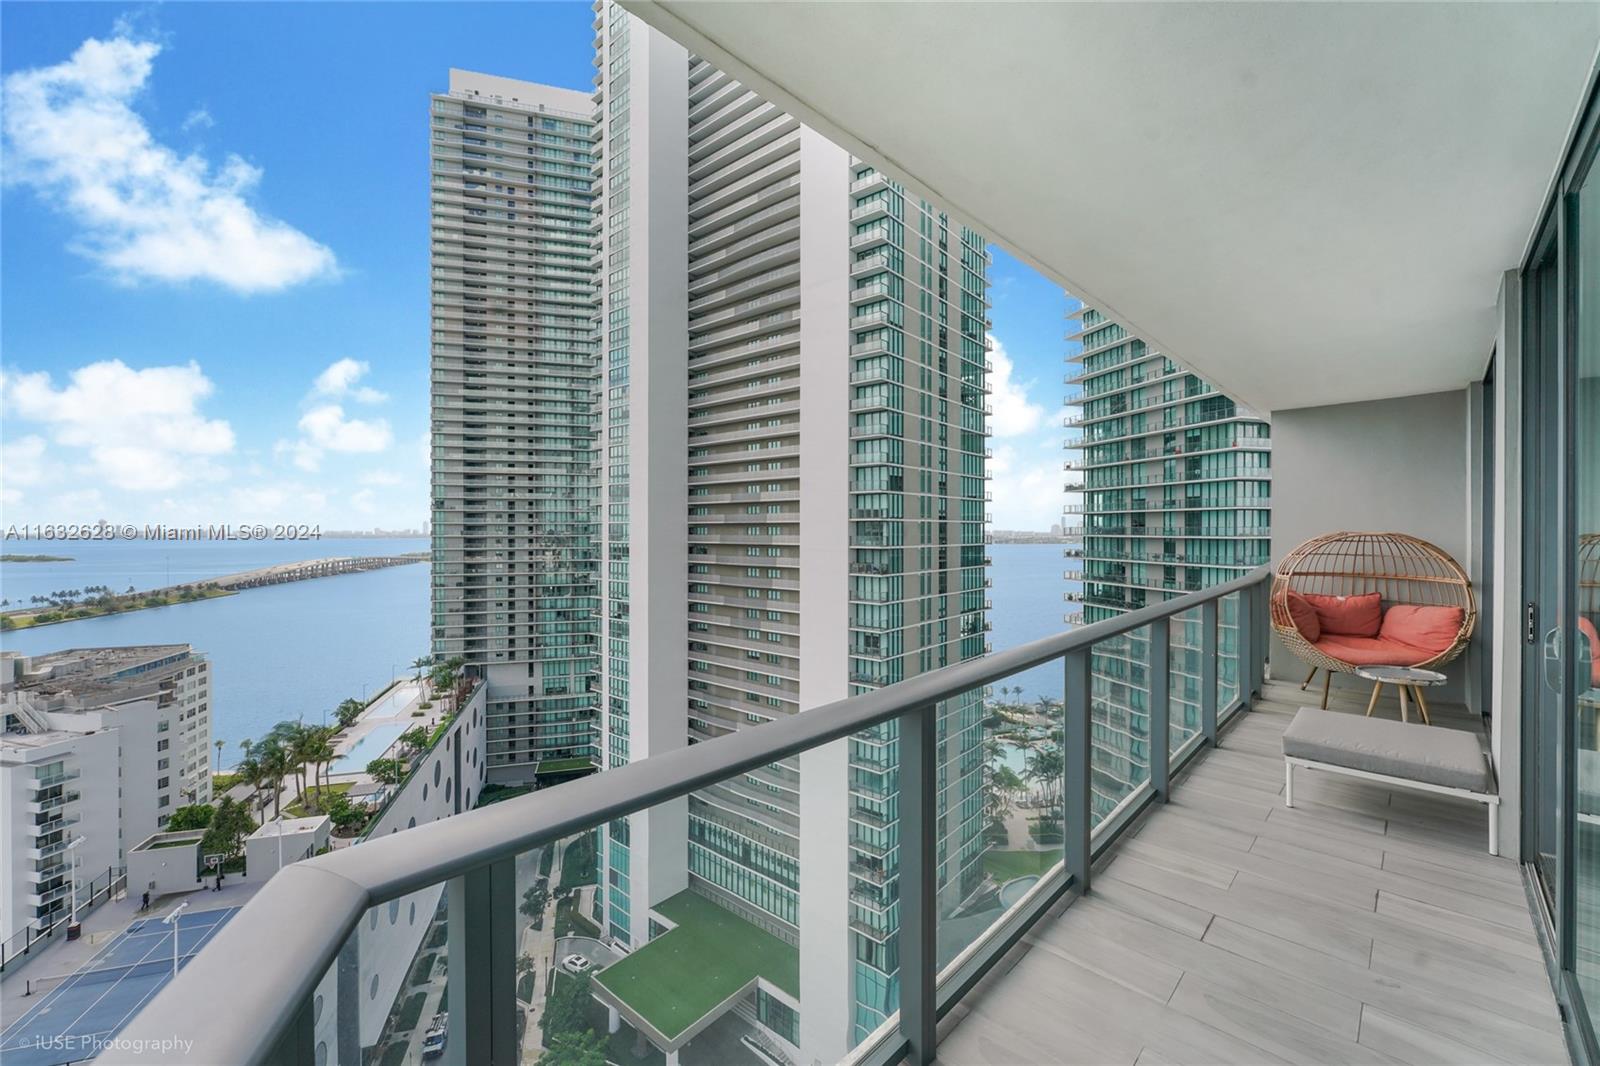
1364, 926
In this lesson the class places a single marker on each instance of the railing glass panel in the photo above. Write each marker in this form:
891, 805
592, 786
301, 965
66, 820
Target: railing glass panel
388, 990
1119, 757
1229, 654
1002, 824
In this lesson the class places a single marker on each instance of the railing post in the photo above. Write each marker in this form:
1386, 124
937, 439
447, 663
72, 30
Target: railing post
482, 947
1160, 721
1262, 624
1208, 671
919, 877
1077, 811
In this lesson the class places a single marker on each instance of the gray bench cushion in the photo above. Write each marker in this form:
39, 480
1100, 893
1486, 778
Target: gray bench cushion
1430, 754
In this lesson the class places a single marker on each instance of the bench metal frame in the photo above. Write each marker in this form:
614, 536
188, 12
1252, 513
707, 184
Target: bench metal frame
1489, 799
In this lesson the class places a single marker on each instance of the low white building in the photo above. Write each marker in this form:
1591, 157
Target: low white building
98, 744
283, 841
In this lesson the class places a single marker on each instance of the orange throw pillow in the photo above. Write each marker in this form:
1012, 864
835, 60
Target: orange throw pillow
1304, 617
1433, 629
1351, 616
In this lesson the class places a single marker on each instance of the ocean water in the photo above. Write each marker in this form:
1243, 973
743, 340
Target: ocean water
295, 650
280, 652
1027, 606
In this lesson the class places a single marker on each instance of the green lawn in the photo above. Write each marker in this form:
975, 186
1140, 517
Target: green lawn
424, 969
680, 976
1007, 865
564, 766
579, 863
410, 1012
395, 1054
298, 808
570, 923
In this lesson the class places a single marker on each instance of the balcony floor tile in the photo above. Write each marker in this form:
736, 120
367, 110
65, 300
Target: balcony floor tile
1364, 926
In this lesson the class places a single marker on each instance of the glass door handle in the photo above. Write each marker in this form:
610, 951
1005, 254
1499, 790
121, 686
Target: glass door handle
1551, 656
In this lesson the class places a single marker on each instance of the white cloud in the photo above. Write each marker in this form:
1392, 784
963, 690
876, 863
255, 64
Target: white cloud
140, 430
1013, 414
341, 378
146, 212
326, 429
198, 119
1028, 491
21, 466
382, 478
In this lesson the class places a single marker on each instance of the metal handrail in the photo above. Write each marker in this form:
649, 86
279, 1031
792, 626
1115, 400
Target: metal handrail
294, 928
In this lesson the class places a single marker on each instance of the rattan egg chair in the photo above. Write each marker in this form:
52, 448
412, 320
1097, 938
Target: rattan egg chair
1400, 568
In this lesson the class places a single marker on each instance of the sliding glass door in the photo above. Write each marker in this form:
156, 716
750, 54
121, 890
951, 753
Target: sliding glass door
1561, 573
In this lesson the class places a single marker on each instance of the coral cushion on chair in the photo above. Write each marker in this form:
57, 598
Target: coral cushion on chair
1304, 617
1432, 629
1586, 627
1371, 651
1351, 616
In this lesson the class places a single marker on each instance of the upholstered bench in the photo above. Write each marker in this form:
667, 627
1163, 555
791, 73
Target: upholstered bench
1423, 758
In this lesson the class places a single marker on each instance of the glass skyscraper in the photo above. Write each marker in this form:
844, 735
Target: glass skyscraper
513, 372
1176, 497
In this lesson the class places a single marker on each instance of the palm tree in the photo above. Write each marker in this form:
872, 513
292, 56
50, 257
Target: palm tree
321, 752
220, 745
302, 749
419, 664
276, 764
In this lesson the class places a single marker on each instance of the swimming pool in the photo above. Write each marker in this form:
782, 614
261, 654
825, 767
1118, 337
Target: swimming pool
394, 701
369, 747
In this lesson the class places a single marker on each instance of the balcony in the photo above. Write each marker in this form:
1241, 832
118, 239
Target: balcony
1362, 923
1222, 926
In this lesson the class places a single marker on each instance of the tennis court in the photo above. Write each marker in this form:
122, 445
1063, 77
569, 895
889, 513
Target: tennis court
74, 1015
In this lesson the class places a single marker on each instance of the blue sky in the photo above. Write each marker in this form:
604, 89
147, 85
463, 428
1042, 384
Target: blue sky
214, 256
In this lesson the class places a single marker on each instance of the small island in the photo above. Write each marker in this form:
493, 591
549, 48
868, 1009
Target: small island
35, 558
69, 605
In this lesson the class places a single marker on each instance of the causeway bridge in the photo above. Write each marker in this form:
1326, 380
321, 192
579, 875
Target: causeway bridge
306, 569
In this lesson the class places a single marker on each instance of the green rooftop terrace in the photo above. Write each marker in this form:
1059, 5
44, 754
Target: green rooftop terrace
688, 971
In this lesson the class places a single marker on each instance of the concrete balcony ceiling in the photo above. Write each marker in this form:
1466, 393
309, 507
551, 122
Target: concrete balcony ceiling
1307, 203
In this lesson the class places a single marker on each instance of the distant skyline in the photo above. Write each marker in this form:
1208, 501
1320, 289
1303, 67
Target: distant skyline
223, 313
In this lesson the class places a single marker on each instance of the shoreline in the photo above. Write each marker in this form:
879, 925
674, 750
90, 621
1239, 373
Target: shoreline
19, 618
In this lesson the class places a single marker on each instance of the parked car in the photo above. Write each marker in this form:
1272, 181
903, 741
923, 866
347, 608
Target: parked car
576, 964
433, 1040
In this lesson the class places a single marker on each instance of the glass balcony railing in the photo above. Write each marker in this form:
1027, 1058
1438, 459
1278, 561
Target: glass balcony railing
953, 816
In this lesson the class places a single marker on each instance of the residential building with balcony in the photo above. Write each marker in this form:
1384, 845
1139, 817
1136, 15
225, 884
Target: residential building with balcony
1175, 483
101, 744
513, 377
1377, 226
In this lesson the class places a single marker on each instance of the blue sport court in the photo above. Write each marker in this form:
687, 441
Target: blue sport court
74, 1016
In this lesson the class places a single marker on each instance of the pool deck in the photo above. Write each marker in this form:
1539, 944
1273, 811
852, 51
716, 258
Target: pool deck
392, 707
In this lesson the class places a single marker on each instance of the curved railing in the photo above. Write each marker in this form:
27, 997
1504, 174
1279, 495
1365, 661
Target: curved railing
247, 998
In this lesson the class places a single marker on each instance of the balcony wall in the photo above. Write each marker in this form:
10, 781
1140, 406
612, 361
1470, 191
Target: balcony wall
1396, 464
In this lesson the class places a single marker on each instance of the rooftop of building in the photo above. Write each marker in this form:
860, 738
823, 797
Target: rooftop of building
290, 826
697, 969
88, 670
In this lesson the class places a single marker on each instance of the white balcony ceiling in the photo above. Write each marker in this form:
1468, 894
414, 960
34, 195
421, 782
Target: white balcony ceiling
1308, 203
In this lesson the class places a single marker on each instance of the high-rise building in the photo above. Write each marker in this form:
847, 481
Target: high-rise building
776, 315
97, 744
1176, 497
513, 357
677, 282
